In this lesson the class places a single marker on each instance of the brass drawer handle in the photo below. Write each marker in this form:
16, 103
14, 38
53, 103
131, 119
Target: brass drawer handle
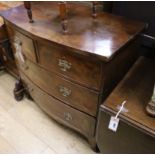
64, 65
67, 116
64, 91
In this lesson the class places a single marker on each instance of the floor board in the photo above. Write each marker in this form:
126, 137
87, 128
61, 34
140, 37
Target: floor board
25, 128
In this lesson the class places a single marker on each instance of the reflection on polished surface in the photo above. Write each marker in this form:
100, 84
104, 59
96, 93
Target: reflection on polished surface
101, 37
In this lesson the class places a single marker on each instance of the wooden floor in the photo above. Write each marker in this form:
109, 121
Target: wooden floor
24, 128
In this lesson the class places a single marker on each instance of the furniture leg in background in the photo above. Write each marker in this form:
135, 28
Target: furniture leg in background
18, 90
7, 57
27, 5
63, 15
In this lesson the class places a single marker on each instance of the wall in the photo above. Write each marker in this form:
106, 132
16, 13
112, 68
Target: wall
143, 11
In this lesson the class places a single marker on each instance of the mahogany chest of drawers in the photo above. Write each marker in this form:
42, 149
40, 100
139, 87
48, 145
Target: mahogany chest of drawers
69, 75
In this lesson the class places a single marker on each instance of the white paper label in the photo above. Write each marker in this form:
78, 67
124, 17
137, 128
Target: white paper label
113, 124
21, 57
19, 52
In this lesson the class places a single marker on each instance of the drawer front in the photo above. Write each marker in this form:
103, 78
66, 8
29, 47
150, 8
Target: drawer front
78, 68
73, 94
21, 42
75, 119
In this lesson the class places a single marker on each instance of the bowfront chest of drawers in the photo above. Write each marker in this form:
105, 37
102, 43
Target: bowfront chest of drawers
70, 75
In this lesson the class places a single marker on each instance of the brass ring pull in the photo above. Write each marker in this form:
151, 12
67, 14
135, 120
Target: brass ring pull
64, 65
64, 91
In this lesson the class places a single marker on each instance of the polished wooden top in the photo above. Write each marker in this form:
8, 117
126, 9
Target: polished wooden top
136, 88
101, 37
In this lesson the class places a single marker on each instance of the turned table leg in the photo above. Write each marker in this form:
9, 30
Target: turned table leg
63, 15
18, 90
27, 5
94, 9
151, 105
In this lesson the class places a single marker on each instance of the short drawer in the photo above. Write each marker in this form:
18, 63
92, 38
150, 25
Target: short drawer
81, 69
75, 95
23, 42
75, 119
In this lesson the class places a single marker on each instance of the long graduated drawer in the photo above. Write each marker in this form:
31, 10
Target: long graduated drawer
80, 69
75, 95
77, 120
